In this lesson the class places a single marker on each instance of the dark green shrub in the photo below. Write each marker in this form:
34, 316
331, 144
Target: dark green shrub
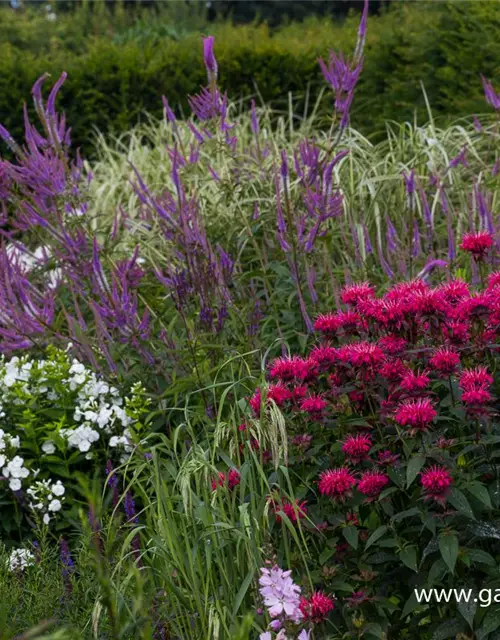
442, 46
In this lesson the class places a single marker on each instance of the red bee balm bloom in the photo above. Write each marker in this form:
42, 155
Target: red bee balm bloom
352, 294
393, 370
476, 396
288, 368
416, 414
436, 482
445, 360
454, 290
361, 354
356, 448
372, 483
232, 480
317, 607
392, 344
477, 244
293, 510
475, 378
313, 405
414, 382
337, 483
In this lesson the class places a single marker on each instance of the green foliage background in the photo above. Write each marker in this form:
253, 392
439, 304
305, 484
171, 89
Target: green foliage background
114, 79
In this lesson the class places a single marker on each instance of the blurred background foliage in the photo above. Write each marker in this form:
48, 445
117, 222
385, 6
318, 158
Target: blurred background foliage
122, 56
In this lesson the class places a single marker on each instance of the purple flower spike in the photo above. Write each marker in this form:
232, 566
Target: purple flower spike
253, 119
364, 20
169, 114
51, 102
209, 57
491, 96
129, 508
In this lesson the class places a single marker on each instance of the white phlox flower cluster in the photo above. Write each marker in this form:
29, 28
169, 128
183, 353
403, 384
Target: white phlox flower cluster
46, 498
99, 409
90, 411
12, 465
19, 559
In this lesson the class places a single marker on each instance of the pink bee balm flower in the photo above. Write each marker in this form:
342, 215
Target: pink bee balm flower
324, 356
294, 511
290, 368
313, 405
357, 447
363, 354
388, 458
454, 290
337, 483
219, 481
406, 290
302, 441
317, 607
414, 382
354, 293
393, 370
372, 483
436, 482
429, 302
279, 394
477, 244
494, 280
417, 414
330, 323
392, 345
233, 479
445, 360
475, 378
476, 396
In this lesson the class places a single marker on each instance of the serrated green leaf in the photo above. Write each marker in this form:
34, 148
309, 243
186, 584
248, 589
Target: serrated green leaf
413, 469
376, 535
409, 513
448, 545
484, 530
491, 621
478, 555
468, 607
408, 556
457, 499
480, 492
448, 629
351, 534
410, 605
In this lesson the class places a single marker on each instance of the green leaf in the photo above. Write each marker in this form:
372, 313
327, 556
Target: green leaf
408, 556
461, 504
468, 608
484, 530
351, 534
376, 535
242, 592
432, 547
409, 513
325, 555
478, 555
480, 492
448, 545
410, 605
436, 572
413, 469
448, 629
491, 621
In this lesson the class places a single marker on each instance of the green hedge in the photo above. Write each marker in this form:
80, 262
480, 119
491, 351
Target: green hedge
445, 46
